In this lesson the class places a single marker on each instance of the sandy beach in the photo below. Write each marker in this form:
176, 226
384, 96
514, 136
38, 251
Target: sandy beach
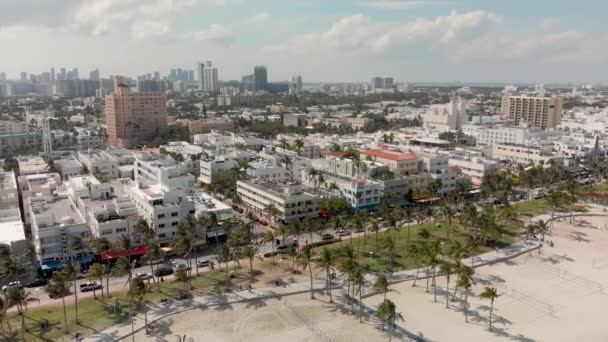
559, 295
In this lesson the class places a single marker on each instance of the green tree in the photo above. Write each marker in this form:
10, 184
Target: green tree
447, 269
269, 238
121, 268
465, 281
59, 287
305, 260
491, 294
359, 282
249, 253
387, 313
101, 246
326, 262
18, 297
96, 272
381, 284
71, 271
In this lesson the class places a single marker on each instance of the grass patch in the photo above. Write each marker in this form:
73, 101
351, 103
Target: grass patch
96, 315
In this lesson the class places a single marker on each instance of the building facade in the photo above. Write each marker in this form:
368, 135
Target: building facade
542, 112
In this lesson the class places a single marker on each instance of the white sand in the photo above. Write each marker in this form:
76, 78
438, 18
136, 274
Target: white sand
292, 318
559, 295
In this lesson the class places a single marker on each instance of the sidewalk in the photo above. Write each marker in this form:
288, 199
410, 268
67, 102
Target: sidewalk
159, 311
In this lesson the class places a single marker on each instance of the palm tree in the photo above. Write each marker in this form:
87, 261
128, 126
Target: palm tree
491, 294
416, 253
149, 234
249, 253
359, 281
4, 306
305, 259
224, 255
59, 287
381, 284
71, 271
348, 263
272, 212
269, 238
461, 270
121, 268
136, 294
183, 245
448, 214
542, 227
447, 269
299, 144
101, 246
76, 245
465, 281
387, 313
390, 246
96, 272
326, 262
20, 298
375, 227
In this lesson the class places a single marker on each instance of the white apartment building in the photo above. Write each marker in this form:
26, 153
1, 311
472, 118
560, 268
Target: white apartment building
30, 165
508, 135
18, 137
96, 159
437, 167
12, 230
474, 167
184, 148
543, 112
525, 154
54, 220
265, 170
446, 117
68, 166
108, 216
162, 208
211, 167
152, 168
293, 200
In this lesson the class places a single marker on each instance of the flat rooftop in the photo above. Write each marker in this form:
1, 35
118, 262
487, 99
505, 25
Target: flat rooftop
7, 181
61, 208
277, 189
389, 155
11, 231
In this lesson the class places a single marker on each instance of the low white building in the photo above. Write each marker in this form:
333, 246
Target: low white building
446, 117
474, 167
525, 154
292, 200
68, 166
212, 166
153, 168
12, 230
30, 165
162, 208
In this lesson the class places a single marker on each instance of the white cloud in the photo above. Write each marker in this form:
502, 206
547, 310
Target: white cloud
357, 33
217, 34
549, 24
259, 20
398, 4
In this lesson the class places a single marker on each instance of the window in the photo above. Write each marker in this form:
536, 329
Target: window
120, 230
173, 224
160, 216
161, 236
174, 214
161, 225
191, 212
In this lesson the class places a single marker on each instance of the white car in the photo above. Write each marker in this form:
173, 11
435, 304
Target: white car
143, 276
342, 232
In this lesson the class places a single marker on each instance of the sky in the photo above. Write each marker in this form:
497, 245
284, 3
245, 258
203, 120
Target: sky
322, 40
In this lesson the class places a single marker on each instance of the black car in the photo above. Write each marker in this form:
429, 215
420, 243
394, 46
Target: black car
327, 236
161, 272
37, 282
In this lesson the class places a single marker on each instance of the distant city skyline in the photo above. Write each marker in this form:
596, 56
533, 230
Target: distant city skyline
413, 41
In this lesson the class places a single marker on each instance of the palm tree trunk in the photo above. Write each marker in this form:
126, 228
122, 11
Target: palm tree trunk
390, 329
447, 291
360, 304
196, 261
376, 247
101, 283
427, 282
146, 319
434, 285
491, 310
65, 316
152, 272
250, 271
108, 279
312, 294
132, 324
75, 302
272, 245
23, 322
416, 279
329, 286
466, 305
454, 295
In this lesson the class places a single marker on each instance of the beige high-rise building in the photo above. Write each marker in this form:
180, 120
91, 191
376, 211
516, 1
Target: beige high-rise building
132, 117
542, 112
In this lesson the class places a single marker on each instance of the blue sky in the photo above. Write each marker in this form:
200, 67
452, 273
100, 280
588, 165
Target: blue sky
330, 40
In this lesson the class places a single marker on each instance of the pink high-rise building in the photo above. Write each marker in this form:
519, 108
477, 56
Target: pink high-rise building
134, 118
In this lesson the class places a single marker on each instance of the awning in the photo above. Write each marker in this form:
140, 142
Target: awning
50, 266
141, 250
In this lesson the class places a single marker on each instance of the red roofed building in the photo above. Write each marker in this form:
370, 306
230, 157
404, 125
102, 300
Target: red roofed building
398, 162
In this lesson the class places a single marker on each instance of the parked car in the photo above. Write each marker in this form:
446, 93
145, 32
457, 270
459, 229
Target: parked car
90, 287
143, 276
12, 284
202, 263
37, 282
180, 267
342, 232
163, 271
83, 274
327, 236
